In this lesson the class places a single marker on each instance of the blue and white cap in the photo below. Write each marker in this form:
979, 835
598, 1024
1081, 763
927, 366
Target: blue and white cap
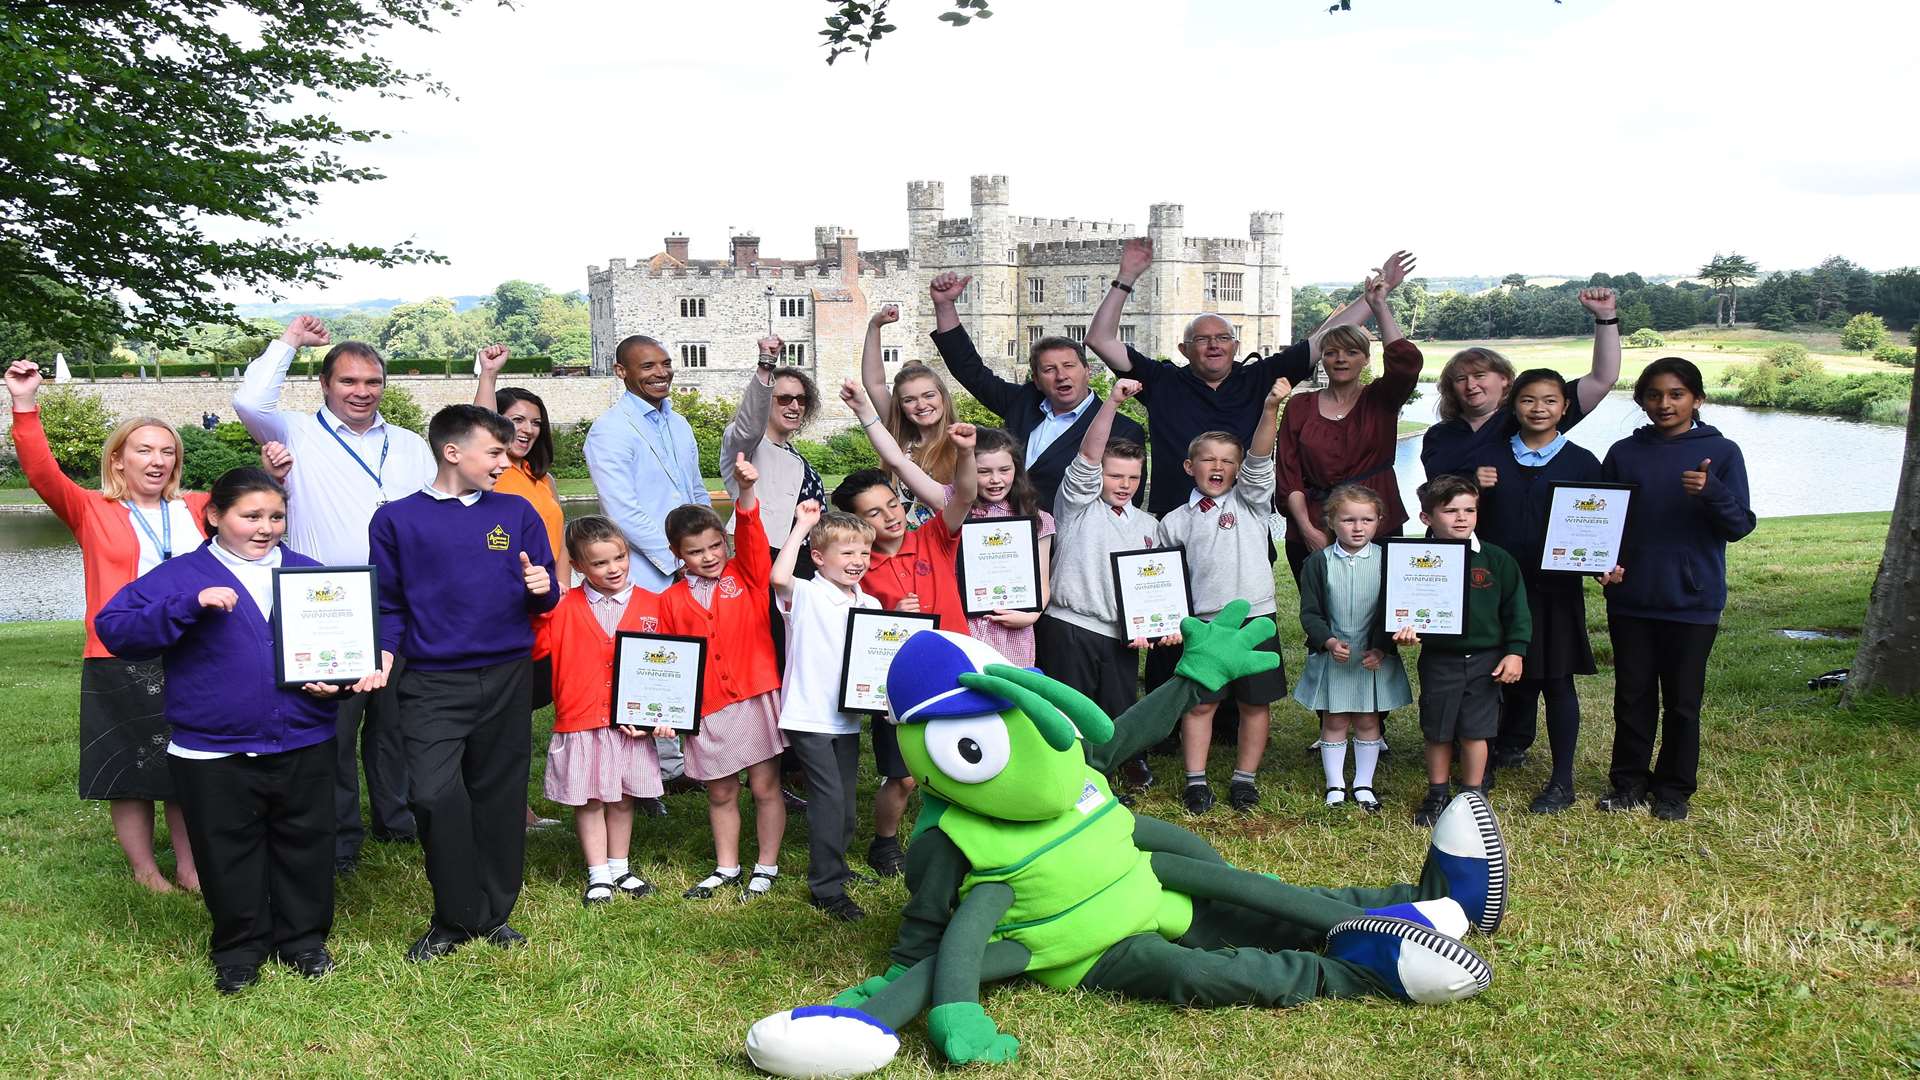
923, 682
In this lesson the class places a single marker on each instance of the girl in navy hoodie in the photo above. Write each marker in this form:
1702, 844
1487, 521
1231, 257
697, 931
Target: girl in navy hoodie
251, 761
1691, 502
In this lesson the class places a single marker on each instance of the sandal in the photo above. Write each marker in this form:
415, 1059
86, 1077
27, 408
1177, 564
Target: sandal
1347, 796
1371, 804
598, 892
750, 892
711, 884
632, 886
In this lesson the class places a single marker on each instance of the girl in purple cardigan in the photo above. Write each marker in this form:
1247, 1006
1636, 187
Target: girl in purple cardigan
250, 760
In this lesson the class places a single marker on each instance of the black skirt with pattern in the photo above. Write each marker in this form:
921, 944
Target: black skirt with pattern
123, 729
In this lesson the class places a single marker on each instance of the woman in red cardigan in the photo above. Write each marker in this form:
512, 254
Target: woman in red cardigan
138, 519
1347, 432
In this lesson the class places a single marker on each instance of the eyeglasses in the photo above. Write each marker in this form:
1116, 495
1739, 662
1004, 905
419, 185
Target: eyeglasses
1211, 339
784, 400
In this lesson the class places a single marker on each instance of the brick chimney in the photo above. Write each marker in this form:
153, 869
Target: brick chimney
746, 251
849, 255
677, 247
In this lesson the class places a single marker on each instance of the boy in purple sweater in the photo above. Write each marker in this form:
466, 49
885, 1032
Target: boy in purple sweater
462, 571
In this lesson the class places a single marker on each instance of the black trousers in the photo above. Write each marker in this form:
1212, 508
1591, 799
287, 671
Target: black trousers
1102, 668
369, 731
1520, 721
262, 834
1659, 678
469, 748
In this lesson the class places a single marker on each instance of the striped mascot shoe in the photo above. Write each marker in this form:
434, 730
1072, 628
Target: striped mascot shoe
1412, 956
1467, 861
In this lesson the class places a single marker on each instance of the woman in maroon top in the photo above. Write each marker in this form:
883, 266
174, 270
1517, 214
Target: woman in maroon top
1346, 432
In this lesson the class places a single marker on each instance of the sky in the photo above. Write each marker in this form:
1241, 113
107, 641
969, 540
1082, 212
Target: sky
1487, 136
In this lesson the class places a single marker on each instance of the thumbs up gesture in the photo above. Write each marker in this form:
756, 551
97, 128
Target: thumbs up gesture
536, 577
744, 471
1694, 481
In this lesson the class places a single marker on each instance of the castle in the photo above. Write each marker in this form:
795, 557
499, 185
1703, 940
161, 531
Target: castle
1032, 278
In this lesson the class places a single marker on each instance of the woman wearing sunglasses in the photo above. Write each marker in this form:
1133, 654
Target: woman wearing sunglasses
777, 403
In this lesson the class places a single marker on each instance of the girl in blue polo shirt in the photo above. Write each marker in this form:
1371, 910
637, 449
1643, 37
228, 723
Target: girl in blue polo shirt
251, 761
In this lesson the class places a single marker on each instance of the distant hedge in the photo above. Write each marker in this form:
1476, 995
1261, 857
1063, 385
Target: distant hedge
457, 367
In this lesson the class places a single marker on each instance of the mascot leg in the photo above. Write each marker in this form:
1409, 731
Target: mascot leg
1151, 967
1153, 834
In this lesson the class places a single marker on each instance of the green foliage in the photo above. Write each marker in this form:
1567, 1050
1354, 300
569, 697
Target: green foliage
709, 418
1864, 333
77, 427
1787, 378
422, 331
970, 411
1726, 273
1897, 355
843, 452
399, 407
1644, 338
152, 152
207, 455
570, 450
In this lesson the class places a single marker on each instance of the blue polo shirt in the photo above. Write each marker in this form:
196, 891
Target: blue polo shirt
1180, 405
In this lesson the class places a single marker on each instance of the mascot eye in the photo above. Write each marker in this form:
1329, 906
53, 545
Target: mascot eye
972, 751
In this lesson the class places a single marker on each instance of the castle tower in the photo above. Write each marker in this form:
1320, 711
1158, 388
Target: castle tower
1166, 227
1272, 324
992, 319
926, 205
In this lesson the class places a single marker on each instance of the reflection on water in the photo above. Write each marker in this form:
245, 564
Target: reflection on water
1796, 464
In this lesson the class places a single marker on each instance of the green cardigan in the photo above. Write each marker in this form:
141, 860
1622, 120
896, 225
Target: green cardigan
1313, 606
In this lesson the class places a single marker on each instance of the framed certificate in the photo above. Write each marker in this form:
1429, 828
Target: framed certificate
1584, 525
1000, 565
326, 624
1151, 591
1426, 586
873, 637
657, 681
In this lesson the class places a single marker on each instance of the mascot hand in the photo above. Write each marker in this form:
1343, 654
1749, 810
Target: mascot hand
855, 996
965, 1033
1218, 652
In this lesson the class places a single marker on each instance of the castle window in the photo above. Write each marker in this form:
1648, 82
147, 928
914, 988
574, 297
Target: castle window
1012, 254
1077, 332
1036, 290
693, 355
890, 354
793, 354
1076, 291
693, 307
1222, 286
1035, 333
956, 251
793, 307
1126, 333
1013, 347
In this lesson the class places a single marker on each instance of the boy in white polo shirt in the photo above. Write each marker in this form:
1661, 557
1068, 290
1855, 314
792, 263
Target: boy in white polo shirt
826, 740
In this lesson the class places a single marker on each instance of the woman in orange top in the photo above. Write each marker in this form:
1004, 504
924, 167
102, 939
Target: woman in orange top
138, 519
532, 454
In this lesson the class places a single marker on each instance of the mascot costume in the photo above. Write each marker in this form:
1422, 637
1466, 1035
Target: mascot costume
1024, 863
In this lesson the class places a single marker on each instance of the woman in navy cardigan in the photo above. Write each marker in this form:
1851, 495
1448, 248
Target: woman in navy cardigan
1690, 504
250, 760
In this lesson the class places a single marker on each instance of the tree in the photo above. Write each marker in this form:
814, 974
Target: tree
152, 152
512, 298
77, 427
422, 331
1517, 281
1864, 333
1888, 660
1896, 296
1726, 273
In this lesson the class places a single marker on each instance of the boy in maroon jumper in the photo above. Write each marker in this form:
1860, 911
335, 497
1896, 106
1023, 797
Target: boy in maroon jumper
462, 570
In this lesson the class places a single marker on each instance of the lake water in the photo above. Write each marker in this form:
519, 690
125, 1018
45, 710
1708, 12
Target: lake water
1796, 464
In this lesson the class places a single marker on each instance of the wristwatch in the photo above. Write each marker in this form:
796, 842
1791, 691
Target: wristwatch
1122, 286
1615, 321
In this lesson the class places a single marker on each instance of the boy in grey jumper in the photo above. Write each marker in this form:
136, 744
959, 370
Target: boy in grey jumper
1223, 526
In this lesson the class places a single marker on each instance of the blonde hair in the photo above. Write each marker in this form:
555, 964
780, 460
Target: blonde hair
1477, 357
1346, 339
938, 456
835, 524
113, 483
1351, 493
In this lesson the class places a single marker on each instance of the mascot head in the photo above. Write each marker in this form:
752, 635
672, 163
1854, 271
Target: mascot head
999, 740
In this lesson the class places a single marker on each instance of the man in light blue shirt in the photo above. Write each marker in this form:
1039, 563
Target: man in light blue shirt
644, 460
1053, 424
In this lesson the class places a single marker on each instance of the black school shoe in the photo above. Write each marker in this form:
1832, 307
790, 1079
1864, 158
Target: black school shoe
839, 907
233, 978
1135, 775
505, 937
1670, 809
1509, 759
1198, 797
886, 856
1430, 807
1621, 800
310, 964
1552, 799
1243, 796
434, 944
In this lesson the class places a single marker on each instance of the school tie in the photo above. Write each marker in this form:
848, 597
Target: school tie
1206, 503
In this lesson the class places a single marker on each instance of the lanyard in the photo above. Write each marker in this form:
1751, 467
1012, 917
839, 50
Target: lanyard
164, 541
379, 488
672, 454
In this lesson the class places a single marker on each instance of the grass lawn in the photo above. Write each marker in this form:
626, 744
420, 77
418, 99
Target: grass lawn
1714, 350
1775, 932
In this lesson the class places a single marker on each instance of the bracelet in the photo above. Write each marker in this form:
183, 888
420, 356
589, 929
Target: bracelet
1122, 286
869, 423
1615, 321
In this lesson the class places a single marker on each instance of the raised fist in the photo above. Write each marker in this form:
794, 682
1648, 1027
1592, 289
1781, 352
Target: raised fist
23, 380
491, 359
1600, 301
888, 313
948, 287
770, 347
306, 330
1124, 389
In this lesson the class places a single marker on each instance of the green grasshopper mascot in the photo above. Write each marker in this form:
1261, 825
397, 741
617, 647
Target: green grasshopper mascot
1024, 863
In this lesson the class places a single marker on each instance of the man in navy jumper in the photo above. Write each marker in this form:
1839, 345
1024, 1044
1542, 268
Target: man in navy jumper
462, 571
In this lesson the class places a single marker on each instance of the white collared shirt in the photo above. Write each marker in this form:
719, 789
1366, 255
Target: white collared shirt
816, 612
1053, 425
330, 496
608, 608
466, 498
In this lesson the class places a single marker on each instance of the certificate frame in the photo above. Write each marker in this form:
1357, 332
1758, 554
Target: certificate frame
631, 644
987, 529
853, 665
1577, 554
1120, 562
1397, 553
295, 665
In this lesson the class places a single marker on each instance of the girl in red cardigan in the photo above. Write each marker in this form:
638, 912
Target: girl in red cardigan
138, 519
592, 765
725, 600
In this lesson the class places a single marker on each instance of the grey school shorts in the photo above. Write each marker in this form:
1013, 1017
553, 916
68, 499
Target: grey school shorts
1458, 697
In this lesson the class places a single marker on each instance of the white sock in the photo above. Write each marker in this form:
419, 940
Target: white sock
762, 885
1366, 756
599, 875
618, 867
1333, 764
